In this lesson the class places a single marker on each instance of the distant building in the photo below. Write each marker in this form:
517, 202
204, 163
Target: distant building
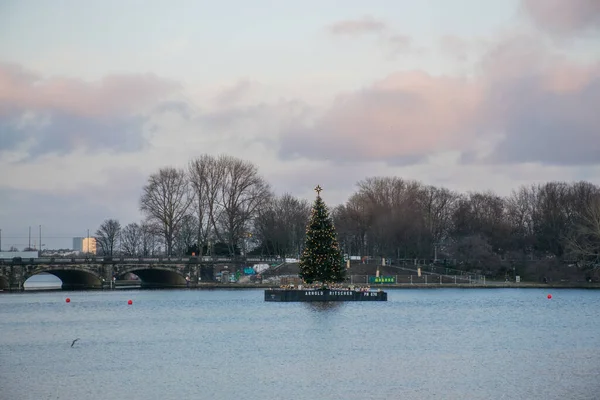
77, 244
89, 245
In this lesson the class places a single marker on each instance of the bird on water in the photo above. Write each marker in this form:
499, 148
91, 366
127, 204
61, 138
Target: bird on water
72, 344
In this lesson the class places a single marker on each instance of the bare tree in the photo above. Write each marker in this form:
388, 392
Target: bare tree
107, 236
280, 226
520, 206
150, 238
186, 235
438, 205
131, 239
552, 217
206, 178
165, 201
242, 193
396, 221
584, 241
353, 222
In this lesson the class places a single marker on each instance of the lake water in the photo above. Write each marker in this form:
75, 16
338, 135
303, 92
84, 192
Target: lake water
230, 344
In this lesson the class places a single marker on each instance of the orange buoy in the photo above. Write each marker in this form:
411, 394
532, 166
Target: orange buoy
549, 296
68, 300
129, 302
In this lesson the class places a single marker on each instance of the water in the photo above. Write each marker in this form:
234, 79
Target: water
42, 281
230, 344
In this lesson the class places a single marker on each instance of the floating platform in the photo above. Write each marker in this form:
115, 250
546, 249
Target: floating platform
309, 295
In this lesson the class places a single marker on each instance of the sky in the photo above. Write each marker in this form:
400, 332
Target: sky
472, 95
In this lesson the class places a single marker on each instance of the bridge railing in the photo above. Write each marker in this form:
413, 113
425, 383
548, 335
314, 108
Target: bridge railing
141, 260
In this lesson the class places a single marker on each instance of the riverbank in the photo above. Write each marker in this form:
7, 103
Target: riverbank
242, 286
492, 285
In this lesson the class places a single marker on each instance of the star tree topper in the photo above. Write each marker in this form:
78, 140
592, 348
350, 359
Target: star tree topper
318, 189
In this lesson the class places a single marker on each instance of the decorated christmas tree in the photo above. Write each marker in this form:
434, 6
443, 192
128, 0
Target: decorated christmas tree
322, 260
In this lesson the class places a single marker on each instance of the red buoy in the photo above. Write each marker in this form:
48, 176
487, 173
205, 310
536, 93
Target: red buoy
68, 300
549, 296
129, 302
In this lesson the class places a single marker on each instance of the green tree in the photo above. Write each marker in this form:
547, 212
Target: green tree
322, 259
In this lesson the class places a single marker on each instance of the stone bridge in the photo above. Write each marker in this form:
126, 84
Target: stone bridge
97, 273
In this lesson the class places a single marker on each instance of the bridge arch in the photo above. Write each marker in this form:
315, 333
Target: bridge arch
154, 276
72, 277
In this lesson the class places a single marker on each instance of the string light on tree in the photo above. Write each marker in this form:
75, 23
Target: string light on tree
322, 260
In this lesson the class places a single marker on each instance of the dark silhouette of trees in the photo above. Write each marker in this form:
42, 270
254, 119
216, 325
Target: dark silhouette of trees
280, 226
131, 239
107, 237
228, 194
224, 201
165, 201
205, 174
583, 243
243, 192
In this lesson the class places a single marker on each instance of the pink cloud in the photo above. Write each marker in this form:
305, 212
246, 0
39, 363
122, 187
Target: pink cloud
564, 16
414, 110
542, 105
57, 114
112, 95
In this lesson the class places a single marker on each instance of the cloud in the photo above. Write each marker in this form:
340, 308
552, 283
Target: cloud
564, 17
40, 115
395, 43
455, 47
364, 25
531, 104
401, 44
399, 119
234, 93
542, 104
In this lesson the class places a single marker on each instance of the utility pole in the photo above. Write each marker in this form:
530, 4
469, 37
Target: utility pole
40, 240
29, 239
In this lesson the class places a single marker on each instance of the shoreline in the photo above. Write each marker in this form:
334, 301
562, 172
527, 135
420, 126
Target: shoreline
522, 285
408, 286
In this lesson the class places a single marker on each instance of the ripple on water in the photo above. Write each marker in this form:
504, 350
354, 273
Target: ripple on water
421, 344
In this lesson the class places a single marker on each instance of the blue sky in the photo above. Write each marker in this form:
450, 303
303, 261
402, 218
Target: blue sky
472, 95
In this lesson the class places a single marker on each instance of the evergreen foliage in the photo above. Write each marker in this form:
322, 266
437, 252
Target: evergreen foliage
322, 260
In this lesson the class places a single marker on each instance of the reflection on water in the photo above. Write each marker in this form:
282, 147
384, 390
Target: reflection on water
324, 305
231, 344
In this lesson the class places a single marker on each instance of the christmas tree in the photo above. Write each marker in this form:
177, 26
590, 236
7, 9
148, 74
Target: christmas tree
322, 260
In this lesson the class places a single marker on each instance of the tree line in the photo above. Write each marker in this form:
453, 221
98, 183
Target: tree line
222, 205
217, 205
539, 226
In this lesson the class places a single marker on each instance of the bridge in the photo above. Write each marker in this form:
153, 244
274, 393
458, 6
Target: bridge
98, 272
